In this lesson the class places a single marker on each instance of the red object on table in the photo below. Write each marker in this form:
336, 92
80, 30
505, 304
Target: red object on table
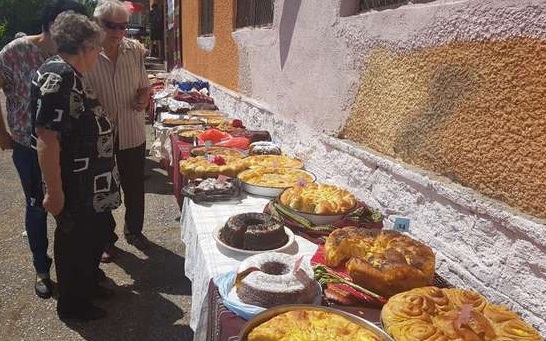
180, 151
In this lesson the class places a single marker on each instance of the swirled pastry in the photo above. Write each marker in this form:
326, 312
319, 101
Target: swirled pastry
318, 199
457, 314
311, 325
386, 262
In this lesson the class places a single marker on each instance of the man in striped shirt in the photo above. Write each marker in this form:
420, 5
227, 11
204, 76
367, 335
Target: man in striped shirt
121, 83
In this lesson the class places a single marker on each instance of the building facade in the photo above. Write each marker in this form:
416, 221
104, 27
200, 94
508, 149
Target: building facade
432, 110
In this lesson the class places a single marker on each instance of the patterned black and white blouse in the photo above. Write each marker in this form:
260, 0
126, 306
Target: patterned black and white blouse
64, 103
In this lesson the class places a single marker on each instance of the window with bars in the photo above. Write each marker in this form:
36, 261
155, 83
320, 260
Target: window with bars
206, 17
254, 13
366, 5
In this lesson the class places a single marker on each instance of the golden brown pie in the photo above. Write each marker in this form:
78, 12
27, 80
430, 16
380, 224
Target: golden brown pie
385, 262
273, 161
181, 121
311, 325
189, 134
223, 151
318, 198
206, 113
206, 167
275, 177
430, 313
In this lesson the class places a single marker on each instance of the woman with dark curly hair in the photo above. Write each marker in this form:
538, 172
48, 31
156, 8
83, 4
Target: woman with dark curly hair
74, 139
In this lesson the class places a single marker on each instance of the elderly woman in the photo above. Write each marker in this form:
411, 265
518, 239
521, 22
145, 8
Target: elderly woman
74, 139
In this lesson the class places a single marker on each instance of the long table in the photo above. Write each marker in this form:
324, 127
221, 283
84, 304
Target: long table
204, 259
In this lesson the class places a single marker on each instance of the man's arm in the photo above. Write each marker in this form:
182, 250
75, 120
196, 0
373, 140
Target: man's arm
49, 151
6, 141
143, 93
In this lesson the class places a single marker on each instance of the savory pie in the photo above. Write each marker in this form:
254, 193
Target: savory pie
205, 167
206, 113
181, 121
430, 313
318, 198
385, 262
214, 121
222, 151
311, 325
189, 134
276, 177
273, 161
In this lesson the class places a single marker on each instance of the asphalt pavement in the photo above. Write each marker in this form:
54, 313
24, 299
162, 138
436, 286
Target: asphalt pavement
152, 296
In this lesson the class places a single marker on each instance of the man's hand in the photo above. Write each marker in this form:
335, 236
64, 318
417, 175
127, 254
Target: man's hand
6, 141
142, 99
54, 202
140, 103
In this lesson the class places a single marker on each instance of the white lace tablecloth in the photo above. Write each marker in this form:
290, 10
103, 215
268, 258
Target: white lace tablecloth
204, 259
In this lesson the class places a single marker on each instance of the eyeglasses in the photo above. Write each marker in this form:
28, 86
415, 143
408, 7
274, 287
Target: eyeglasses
114, 26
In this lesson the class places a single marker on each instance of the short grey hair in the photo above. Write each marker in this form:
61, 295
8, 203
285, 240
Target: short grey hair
71, 32
106, 8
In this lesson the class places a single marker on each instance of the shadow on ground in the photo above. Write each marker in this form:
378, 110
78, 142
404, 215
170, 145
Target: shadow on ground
144, 309
162, 182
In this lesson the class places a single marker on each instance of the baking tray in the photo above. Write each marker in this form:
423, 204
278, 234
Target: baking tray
270, 313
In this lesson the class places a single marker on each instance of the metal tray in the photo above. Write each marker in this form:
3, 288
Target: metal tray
270, 313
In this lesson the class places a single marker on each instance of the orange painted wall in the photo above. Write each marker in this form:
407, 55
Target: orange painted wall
472, 111
222, 63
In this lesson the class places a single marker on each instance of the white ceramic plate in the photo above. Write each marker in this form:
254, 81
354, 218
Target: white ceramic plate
267, 191
216, 235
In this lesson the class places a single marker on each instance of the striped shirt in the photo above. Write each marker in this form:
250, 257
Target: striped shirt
116, 86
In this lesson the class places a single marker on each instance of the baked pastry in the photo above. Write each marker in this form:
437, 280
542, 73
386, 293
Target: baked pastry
211, 189
253, 231
311, 325
229, 153
214, 121
206, 113
318, 199
275, 177
385, 262
189, 135
268, 279
430, 313
204, 167
181, 121
264, 148
273, 161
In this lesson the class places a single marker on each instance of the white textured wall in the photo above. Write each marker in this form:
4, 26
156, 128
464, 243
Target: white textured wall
479, 243
307, 66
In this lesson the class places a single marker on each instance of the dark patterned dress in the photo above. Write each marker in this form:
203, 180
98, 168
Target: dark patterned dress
62, 102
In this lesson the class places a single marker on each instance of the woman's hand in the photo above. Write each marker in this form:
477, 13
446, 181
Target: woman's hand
54, 202
6, 142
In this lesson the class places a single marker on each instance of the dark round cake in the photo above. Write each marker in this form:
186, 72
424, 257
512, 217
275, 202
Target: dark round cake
253, 231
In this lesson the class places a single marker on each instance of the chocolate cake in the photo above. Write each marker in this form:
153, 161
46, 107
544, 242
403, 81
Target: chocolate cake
253, 231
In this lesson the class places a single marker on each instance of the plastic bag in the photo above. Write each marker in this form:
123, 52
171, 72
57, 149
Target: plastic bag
225, 284
234, 142
214, 135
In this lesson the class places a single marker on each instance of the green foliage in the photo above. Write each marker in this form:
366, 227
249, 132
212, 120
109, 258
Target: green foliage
19, 16
89, 6
24, 16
